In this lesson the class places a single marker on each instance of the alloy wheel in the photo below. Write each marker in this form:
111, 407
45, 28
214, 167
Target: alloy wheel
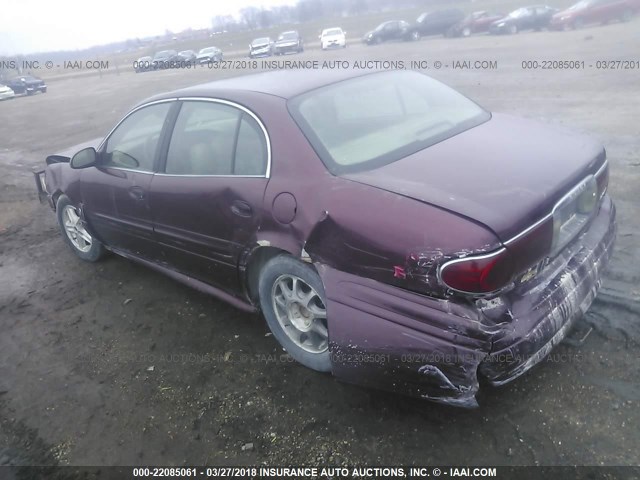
301, 313
75, 230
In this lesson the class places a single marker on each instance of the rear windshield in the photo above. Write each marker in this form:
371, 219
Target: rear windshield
366, 122
288, 36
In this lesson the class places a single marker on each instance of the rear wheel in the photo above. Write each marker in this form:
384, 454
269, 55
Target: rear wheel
293, 302
74, 232
466, 32
415, 35
626, 15
513, 29
578, 23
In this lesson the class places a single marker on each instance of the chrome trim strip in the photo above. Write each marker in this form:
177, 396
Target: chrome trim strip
248, 112
197, 99
532, 227
126, 169
206, 176
557, 204
601, 169
130, 113
464, 259
516, 237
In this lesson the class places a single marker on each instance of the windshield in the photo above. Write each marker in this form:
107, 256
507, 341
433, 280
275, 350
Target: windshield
376, 119
581, 5
260, 41
333, 31
521, 12
422, 17
288, 36
208, 50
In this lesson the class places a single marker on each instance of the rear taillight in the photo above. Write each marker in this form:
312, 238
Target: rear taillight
478, 275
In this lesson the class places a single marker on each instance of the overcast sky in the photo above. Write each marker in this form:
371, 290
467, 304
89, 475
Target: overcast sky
28, 26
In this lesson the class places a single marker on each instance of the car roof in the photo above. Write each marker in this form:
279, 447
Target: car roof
281, 83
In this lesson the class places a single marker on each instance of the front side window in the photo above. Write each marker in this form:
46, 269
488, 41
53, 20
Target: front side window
134, 143
211, 138
376, 119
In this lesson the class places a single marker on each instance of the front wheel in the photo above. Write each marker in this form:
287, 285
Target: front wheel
74, 232
415, 36
513, 29
293, 302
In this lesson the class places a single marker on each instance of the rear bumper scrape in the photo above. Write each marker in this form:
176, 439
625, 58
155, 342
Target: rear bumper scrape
389, 338
548, 306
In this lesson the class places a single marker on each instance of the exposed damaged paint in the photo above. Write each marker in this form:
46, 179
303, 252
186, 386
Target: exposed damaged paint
435, 348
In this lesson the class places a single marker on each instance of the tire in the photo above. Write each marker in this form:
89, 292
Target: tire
293, 302
466, 32
626, 16
578, 23
513, 29
76, 236
415, 36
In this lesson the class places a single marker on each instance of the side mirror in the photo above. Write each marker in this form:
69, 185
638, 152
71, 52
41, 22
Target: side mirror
85, 158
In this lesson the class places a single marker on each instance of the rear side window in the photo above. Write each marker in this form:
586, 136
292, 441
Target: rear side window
212, 138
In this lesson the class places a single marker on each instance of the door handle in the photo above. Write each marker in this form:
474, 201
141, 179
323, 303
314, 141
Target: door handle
137, 193
241, 208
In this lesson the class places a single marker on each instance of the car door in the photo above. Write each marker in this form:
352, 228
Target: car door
543, 15
207, 201
115, 193
606, 10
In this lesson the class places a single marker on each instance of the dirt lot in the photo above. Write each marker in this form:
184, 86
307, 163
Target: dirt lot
171, 376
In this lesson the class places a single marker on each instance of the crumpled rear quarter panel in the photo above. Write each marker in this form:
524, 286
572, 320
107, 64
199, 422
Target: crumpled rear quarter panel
386, 337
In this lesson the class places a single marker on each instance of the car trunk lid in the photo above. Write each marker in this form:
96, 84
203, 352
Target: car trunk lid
507, 173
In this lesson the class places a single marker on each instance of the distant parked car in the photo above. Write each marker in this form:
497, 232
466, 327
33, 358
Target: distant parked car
261, 47
391, 30
288, 42
187, 56
535, 17
333, 38
27, 84
594, 11
209, 54
477, 22
143, 64
6, 92
166, 59
437, 22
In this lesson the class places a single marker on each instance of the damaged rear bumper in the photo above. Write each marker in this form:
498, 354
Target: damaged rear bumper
547, 307
386, 337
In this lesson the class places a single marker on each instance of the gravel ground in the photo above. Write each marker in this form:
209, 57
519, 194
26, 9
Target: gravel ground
171, 376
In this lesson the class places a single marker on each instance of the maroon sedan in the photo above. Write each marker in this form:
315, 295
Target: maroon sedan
476, 22
594, 11
390, 230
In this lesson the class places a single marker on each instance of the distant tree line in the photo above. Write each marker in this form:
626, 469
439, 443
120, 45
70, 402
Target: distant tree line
253, 18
